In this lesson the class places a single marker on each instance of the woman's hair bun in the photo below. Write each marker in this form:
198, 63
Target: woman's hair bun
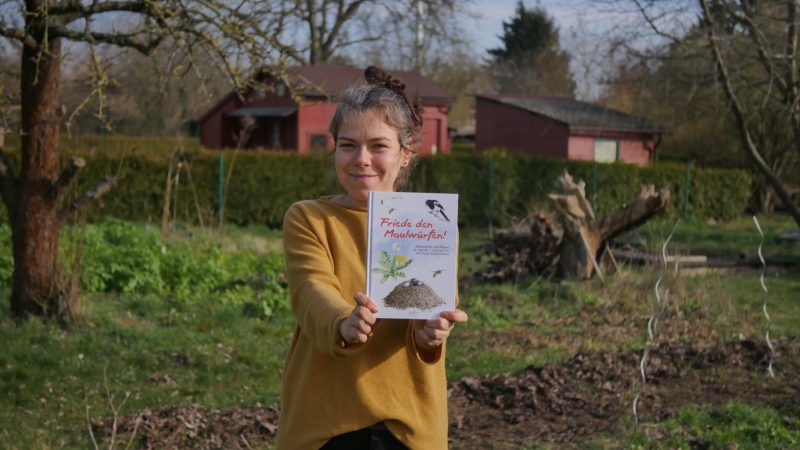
376, 75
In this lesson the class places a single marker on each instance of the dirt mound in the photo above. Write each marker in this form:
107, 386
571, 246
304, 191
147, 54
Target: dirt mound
561, 403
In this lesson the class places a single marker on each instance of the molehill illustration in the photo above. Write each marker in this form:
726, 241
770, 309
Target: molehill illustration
413, 293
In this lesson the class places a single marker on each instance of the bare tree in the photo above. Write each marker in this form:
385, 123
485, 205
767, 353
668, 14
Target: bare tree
752, 48
408, 28
234, 33
773, 32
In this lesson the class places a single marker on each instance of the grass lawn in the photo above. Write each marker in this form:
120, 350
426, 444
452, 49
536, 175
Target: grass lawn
138, 351
731, 239
135, 347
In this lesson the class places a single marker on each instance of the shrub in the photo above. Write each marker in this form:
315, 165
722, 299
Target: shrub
124, 257
119, 257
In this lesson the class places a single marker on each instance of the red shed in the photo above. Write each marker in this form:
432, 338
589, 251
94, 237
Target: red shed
563, 128
282, 123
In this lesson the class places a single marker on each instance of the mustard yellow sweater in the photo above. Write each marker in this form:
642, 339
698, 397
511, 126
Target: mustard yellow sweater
329, 390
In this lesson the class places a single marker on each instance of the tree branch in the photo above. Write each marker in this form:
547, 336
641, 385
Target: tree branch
68, 175
121, 40
651, 21
69, 8
791, 69
341, 18
8, 185
88, 197
760, 41
13, 33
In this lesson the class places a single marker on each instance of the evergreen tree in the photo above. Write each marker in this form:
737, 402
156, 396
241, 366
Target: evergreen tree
530, 60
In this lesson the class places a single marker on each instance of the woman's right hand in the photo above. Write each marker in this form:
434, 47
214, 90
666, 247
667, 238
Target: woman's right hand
358, 326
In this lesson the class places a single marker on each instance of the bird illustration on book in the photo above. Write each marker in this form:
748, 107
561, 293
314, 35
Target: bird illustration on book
437, 209
437, 272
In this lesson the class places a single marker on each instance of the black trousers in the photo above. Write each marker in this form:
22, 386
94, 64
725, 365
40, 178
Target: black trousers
370, 438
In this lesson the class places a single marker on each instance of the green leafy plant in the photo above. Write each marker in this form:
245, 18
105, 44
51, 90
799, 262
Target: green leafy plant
392, 266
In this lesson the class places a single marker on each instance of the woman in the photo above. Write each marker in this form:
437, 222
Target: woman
352, 381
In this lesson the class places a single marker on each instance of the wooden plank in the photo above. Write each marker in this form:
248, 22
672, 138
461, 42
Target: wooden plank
686, 260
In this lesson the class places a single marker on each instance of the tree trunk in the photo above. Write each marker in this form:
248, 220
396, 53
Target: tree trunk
35, 220
585, 235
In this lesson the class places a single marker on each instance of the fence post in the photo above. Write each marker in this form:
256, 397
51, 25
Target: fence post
490, 204
686, 188
220, 185
594, 185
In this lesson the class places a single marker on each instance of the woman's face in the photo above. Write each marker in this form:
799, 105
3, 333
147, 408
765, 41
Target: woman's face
368, 156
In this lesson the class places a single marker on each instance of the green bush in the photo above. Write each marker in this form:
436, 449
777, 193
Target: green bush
123, 257
493, 186
6, 256
497, 184
119, 257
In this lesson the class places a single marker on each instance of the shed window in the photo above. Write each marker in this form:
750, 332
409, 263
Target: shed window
606, 150
280, 90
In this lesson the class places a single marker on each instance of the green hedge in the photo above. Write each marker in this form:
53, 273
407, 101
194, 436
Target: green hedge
496, 185
500, 184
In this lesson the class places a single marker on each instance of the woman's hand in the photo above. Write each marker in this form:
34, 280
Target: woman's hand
431, 333
359, 325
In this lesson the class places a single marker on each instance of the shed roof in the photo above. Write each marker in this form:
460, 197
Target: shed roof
263, 111
329, 81
579, 115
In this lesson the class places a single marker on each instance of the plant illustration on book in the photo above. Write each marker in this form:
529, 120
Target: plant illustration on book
392, 266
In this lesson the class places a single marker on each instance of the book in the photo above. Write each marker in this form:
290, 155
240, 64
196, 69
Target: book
412, 251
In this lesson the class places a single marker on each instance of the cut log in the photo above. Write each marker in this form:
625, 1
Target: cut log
585, 235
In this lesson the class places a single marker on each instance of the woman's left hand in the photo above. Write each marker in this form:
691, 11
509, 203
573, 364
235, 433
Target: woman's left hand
431, 333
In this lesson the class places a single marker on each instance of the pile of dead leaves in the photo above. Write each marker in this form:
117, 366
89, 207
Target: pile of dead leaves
587, 395
590, 393
194, 426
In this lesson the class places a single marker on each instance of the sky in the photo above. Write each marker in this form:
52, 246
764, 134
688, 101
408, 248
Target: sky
493, 12
585, 26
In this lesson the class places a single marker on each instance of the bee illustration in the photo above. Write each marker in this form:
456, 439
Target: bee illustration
391, 210
437, 272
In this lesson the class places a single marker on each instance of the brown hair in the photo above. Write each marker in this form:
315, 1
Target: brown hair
385, 94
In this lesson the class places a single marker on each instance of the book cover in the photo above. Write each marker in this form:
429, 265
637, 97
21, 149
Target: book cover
412, 251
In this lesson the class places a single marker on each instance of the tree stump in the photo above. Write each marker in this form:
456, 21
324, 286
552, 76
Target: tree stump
585, 235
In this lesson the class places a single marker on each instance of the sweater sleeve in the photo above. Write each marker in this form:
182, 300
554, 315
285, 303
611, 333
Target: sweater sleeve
315, 291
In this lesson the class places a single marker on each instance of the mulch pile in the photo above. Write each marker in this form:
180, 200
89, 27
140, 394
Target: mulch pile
590, 393
561, 403
194, 426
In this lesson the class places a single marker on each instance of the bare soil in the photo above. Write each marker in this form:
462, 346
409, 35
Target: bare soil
562, 404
